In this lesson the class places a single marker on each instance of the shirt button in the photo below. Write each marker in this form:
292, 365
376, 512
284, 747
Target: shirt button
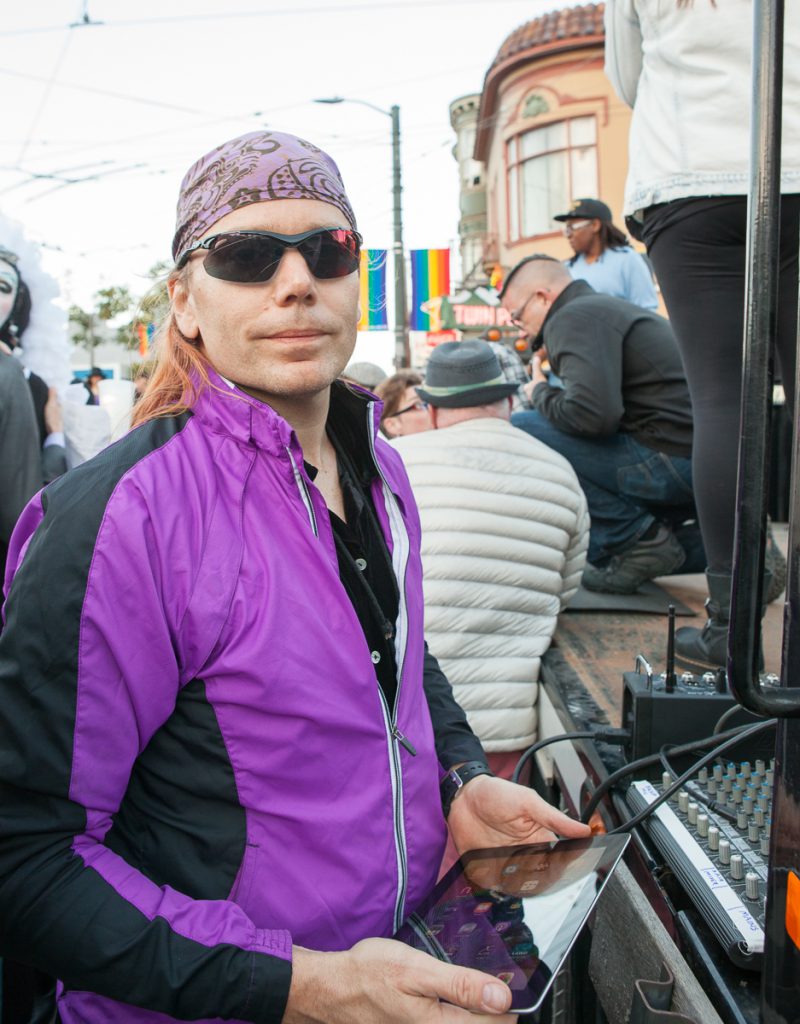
375, 657
361, 563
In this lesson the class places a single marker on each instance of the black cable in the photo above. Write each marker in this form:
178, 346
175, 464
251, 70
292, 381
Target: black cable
723, 718
604, 735
694, 789
752, 730
645, 762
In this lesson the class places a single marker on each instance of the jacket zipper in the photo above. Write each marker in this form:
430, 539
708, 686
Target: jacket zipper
304, 492
394, 736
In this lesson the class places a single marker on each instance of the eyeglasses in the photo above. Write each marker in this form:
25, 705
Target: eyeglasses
252, 257
414, 407
516, 315
576, 225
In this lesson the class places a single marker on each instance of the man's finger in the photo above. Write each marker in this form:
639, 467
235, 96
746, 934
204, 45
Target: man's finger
462, 986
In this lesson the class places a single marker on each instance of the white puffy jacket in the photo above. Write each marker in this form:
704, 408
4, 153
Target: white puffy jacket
504, 535
686, 71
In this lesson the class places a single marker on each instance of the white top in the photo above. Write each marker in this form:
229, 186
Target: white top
504, 535
686, 71
622, 273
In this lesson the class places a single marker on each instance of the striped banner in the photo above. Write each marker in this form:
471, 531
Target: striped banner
145, 333
430, 279
372, 290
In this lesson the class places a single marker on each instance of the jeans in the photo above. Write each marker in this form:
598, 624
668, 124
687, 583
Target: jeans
627, 485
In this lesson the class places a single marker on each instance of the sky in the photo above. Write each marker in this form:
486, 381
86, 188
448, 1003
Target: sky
120, 97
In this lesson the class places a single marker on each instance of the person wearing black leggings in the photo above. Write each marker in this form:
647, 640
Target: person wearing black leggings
684, 68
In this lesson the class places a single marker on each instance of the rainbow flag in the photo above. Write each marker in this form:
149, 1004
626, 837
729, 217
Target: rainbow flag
145, 333
430, 279
372, 290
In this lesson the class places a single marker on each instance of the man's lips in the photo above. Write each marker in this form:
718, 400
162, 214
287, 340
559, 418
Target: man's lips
295, 334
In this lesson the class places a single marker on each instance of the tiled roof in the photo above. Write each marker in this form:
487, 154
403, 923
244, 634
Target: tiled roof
586, 20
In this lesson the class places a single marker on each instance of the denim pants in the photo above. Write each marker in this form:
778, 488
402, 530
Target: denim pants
627, 486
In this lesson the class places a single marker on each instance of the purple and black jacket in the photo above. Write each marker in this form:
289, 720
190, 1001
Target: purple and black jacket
197, 766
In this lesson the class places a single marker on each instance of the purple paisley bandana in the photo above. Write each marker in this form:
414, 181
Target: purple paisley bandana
251, 169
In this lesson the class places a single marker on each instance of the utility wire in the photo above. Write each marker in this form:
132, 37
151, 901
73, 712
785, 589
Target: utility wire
45, 97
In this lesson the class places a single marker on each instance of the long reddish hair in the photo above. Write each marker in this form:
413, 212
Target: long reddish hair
180, 370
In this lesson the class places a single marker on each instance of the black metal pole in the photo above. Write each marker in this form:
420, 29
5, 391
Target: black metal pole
761, 310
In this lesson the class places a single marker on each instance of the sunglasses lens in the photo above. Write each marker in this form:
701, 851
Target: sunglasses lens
245, 259
331, 253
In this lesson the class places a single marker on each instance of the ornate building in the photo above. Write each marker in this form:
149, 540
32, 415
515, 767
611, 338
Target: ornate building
547, 129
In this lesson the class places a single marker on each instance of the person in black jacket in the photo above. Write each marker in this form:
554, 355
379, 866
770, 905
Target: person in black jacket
620, 412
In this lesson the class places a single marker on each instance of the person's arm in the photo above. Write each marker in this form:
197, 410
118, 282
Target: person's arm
623, 48
456, 743
587, 356
54, 453
576, 551
91, 662
20, 470
639, 286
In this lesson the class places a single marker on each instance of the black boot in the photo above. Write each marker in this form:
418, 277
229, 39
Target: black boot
706, 649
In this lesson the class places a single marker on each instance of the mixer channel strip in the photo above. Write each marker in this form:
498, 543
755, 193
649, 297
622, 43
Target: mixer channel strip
714, 834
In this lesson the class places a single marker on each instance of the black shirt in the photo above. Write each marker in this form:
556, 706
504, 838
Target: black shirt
365, 569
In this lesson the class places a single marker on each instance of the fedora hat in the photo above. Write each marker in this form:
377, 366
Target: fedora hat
461, 374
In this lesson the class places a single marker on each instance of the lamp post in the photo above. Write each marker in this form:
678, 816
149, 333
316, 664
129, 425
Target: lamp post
402, 356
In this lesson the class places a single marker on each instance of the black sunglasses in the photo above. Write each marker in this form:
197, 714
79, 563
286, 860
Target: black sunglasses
249, 257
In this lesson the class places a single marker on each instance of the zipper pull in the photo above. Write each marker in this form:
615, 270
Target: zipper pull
403, 741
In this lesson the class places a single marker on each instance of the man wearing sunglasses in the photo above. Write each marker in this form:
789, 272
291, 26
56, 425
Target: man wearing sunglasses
622, 418
222, 781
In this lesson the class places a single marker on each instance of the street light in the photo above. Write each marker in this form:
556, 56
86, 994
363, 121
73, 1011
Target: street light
402, 355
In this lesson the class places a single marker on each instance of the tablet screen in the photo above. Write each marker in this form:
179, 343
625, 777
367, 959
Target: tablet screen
515, 912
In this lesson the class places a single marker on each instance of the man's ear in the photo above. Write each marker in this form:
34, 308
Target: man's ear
183, 307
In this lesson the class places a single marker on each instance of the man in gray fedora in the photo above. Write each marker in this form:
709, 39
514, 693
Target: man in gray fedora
504, 536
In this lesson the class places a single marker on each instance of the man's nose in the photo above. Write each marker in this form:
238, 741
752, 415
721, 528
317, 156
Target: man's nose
293, 281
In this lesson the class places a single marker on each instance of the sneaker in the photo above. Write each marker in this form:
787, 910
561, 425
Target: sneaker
645, 560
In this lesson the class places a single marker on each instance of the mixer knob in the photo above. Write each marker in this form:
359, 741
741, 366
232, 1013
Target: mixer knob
724, 851
748, 804
758, 815
737, 867
763, 845
753, 833
767, 827
737, 793
718, 772
691, 812
761, 766
713, 837
683, 801
702, 776
666, 782
727, 783
741, 819
770, 777
712, 786
688, 679
752, 886
709, 678
702, 825
763, 801
746, 769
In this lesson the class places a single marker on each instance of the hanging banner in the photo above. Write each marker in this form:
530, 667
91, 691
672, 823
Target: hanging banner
145, 333
430, 279
372, 290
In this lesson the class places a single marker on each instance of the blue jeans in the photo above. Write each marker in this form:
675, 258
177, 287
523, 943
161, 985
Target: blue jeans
627, 485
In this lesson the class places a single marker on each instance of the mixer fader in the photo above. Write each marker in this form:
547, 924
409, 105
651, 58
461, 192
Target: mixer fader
714, 834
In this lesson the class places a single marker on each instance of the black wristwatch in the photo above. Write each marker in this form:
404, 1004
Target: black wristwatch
458, 777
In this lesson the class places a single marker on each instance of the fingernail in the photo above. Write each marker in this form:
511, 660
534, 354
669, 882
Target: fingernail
495, 997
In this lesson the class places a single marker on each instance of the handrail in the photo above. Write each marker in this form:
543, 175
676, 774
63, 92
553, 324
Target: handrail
761, 307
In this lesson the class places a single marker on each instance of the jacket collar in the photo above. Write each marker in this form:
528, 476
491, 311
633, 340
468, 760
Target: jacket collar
226, 409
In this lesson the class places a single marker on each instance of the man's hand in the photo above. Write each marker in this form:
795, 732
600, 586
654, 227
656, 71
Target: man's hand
380, 981
490, 812
537, 374
53, 417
